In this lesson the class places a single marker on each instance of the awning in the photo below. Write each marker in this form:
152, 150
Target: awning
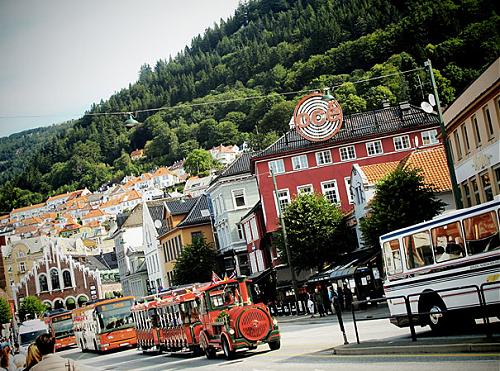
348, 266
259, 276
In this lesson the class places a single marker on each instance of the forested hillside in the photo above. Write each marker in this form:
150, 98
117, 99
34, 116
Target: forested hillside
235, 83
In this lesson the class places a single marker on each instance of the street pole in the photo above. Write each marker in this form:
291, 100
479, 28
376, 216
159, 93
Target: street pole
449, 159
285, 241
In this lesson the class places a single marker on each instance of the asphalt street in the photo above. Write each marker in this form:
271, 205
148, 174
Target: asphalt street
307, 344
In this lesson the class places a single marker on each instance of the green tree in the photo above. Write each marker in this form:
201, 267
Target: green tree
196, 262
402, 198
314, 228
5, 312
31, 306
199, 162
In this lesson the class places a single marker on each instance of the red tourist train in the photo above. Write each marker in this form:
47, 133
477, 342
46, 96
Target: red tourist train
205, 318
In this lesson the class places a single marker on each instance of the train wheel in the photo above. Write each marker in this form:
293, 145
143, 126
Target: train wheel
210, 352
228, 353
275, 345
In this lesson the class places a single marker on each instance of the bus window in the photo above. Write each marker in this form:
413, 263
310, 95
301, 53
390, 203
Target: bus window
481, 233
418, 250
393, 257
448, 242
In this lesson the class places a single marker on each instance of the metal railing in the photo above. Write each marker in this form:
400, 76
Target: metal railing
412, 317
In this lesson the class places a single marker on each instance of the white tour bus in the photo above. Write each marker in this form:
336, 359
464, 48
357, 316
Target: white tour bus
450, 251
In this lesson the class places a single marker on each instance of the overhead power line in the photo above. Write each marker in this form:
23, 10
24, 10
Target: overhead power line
252, 97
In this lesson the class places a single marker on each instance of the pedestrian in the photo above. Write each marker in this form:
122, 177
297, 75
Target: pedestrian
310, 304
332, 298
347, 297
51, 361
16, 348
318, 298
33, 356
340, 295
7, 360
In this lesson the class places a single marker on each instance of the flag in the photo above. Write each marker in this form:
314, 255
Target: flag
215, 277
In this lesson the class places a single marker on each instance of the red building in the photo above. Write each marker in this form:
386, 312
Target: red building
324, 167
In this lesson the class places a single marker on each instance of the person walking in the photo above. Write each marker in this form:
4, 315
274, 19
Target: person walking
51, 361
333, 299
310, 304
7, 359
347, 297
340, 295
318, 298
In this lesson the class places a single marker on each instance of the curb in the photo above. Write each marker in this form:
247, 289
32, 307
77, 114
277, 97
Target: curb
419, 349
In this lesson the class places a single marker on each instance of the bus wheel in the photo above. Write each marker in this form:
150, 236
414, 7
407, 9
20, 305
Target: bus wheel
437, 319
275, 345
228, 353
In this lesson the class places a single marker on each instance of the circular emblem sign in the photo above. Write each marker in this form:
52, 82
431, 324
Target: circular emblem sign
317, 119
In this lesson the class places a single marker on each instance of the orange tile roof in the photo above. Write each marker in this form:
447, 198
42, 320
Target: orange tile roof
137, 153
93, 224
93, 214
31, 221
26, 208
432, 162
162, 171
56, 197
376, 172
223, 149
25, 229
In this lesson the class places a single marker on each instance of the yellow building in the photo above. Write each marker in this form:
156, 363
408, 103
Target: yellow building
473, 126
186, 220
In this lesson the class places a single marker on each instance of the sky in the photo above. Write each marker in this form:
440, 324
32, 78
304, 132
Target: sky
60, 56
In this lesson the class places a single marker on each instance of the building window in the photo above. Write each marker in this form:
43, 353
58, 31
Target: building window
42, 282
418, 250
347, 153
196, 236
307, 188
283, 199
238, 198
54, 279
475, 190
496, 171
21, 254
489, 123
299, 162
329, 190
457, 144
374, 148
401, 143
348, 188
429, 137
22, 267
477, 133
277, 166
240, 232
323, 157
466, 192
465, 138
67, 279
486, 183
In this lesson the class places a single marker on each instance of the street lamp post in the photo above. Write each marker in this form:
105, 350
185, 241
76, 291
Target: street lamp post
285, 241
449, 159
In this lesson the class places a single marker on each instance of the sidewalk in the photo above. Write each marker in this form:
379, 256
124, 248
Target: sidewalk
441, 344
369, 313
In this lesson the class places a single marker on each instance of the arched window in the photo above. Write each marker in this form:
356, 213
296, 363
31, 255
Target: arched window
67, 279
82, 299
54, 278
42, 281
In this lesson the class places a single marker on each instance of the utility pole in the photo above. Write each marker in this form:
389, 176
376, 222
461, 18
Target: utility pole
285, 241
449, 158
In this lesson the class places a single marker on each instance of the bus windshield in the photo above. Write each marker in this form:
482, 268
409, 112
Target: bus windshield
62, 327
115, 315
